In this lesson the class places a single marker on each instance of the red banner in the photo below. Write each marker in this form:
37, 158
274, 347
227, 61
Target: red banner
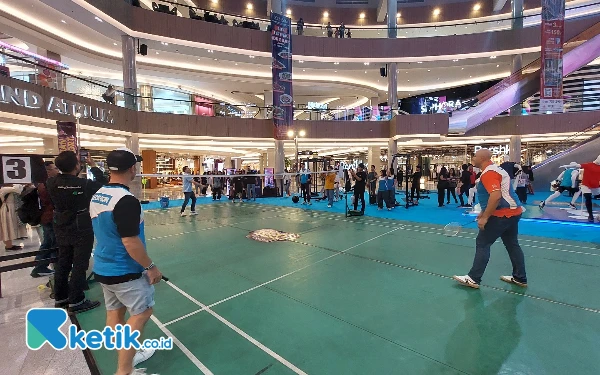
551, 77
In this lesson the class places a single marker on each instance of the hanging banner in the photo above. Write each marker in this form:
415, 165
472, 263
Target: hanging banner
283, 100
551, 77
67, 136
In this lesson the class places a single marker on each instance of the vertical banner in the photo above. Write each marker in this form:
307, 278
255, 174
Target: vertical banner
551, 77
67, 136
283, 100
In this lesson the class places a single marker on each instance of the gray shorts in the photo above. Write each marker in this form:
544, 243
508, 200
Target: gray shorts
136, 295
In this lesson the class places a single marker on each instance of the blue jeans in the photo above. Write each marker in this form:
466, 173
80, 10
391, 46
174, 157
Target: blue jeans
189, 195
48, 243
506, 228
250, 191
329, 193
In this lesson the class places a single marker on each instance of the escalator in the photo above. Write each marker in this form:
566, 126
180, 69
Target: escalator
578, 52
582, 152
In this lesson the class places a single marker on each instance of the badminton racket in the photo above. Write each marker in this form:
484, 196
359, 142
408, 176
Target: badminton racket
452, 229
165, 278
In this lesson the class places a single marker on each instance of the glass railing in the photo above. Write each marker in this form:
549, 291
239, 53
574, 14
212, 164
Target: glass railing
574, 9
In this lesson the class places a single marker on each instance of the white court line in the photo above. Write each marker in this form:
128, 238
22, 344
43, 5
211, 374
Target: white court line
272, 281
282, 360
182, 347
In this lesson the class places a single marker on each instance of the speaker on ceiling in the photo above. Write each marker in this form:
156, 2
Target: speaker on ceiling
383, 72
143, 49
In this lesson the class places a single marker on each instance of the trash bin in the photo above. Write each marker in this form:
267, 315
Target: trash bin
164, 202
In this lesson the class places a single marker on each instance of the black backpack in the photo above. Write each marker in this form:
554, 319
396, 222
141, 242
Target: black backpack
30, 211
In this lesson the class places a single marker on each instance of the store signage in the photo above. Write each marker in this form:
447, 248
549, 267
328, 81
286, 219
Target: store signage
352, 165
438, 105
496, 150
30, 99
281, 68
316, 105
551, 78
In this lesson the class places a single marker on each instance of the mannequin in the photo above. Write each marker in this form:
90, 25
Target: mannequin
568, 181
590, 184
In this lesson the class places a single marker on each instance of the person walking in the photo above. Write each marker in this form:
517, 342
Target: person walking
10, 226
187, 182
452, 183
360, 178
305, 178
217, 187
499, 218
250, 185
442, 186
416, 185
465, 185
71, 197
121, 264
330, 185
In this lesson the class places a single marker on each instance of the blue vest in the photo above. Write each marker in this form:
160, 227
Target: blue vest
567, 178
390, 183
382, 185
509, 198
110, 256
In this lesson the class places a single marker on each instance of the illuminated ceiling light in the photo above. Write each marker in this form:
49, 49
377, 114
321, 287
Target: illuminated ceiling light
365, 72
210, 50
288, 12
304, 70
249, 6
492, 57
98, 19
367, 63
336, 63
362, 16
301, 61
164, 43
436, 12
251, 56
214, 1
497, 66
157, 52
63, 21
325, 14
477, 7
398, 15
429, 70
419, 62
302, 133
335, 71
455, 60
115, 44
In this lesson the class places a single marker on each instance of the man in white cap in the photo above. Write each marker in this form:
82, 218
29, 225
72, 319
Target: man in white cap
121, 264
568, 182
590, 184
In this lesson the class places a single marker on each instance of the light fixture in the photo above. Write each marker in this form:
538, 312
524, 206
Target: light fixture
288, 12
365, 72
366, 63
429, 70
214, 1
198, 59
157, 52
325, 14
301, 61
336, 63
436, 12
362, 16
251, 56
335, 71
236, 64
419, 62
302, 133
304, 70
290, 133
492, 57
98, 19
115, 44
477, 7
398, 15
249, 6
497, 66
210, 50
164, 43
63, 21
455, 60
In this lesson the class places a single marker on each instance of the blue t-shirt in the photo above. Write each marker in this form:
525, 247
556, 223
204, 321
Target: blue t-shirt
567, 178
115, 214
304, 177
187, 184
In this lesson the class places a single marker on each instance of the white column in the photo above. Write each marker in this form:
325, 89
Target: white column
228, 162
392, 9
267, 102
133, 143
129, 71
279, 164
270, 163
373, 154
515, 148
392, 149
374, 101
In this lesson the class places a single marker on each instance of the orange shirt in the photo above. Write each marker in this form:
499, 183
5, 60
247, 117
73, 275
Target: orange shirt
494, 181
330, 181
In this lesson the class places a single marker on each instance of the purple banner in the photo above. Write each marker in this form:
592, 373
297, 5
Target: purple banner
551, 78
283, 100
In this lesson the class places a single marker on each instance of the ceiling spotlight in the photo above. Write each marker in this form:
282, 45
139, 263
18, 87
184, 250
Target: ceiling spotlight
419, 62
251, 56
492, 57
63, 21
249, 6
98, 19
290, 133
455, 60
335, 71
436, 12
336, 63
362, 16
429, 70
301, 61
304, 70
115, 44
398, 15
236, 64
476, 7
214, 1
325, 14
209, 50
367, 63
497, 66
157, 52
288, 12
365, 72
302, 133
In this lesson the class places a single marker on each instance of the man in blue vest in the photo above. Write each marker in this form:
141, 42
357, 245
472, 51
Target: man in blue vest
568, 181
121, 264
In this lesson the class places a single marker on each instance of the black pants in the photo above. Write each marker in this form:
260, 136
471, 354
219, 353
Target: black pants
414, 188
305, 188
359, 194
189, 195
451, 190
73, 257
464, 190
588, 204
441, 192
522, 194
216, 191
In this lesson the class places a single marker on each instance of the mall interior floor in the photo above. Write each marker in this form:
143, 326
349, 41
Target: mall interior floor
359, 295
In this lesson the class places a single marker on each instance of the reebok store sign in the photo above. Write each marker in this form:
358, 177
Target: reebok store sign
44, 326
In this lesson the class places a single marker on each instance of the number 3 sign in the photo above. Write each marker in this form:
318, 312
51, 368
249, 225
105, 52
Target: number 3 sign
21, 169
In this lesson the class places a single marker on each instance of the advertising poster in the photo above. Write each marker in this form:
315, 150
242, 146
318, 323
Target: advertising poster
283, 100
67, 136
269, 180
551, 77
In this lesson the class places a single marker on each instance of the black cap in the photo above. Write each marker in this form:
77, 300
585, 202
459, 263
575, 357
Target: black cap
122, 159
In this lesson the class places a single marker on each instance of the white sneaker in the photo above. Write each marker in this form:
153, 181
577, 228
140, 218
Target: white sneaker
193, 213
512, 280
542, 205
140, 371
466, 281
182, 214
310, 204
142, 355
304, 202
572, 206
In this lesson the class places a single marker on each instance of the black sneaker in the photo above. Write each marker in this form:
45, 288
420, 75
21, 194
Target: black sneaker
13, 248
84, 306
41, 272
62, 305
590, 219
